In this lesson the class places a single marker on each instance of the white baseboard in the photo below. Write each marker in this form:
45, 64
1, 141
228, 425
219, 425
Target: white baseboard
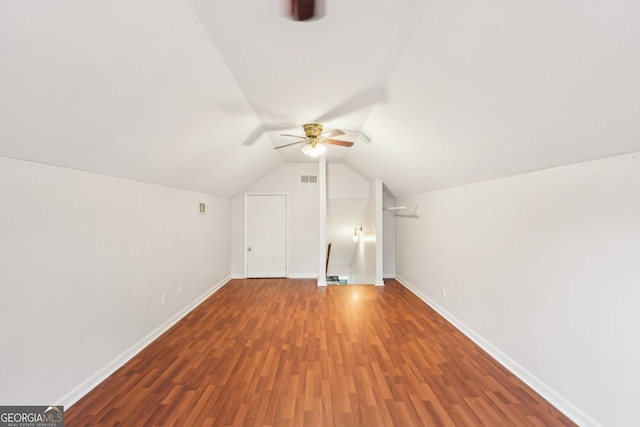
303, 276
290, 276
553, 397
90, 383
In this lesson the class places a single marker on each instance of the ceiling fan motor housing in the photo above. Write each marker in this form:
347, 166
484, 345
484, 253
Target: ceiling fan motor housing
312, 130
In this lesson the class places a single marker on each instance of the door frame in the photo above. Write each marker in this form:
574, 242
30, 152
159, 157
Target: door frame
244, 246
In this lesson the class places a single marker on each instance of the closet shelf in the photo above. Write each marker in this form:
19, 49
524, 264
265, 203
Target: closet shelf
395, 209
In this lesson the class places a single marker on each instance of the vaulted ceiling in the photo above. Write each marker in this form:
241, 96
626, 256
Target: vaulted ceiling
195, 94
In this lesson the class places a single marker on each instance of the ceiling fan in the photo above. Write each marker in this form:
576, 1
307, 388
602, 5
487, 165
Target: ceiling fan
316, 140
302, 10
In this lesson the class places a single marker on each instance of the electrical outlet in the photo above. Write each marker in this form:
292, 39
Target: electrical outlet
443, 293
180, 288
163, 300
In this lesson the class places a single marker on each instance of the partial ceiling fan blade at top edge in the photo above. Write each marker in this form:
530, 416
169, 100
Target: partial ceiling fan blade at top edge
293, 143
338, 142
330, 133
293, 136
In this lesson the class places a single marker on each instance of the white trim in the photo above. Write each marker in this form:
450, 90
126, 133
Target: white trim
267, 275
322, 221
90, 383
237, 276
379, 231
552, 396
303, 275
244, 246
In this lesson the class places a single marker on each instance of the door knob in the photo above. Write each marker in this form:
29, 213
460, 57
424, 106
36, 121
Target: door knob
249, 249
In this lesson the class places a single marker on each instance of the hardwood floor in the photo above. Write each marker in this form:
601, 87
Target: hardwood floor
276, 352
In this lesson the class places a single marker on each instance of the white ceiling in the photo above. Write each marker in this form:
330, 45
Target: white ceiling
195, 94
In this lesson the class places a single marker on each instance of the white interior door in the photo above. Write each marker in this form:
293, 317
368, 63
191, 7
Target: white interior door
265, 235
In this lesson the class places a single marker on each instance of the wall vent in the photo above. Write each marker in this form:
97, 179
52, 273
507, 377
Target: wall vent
308, 179
202, 208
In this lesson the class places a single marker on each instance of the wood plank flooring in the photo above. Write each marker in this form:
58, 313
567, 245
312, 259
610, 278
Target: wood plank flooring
282, 352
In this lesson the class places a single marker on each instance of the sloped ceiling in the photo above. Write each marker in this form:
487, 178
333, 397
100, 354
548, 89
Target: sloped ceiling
195, 94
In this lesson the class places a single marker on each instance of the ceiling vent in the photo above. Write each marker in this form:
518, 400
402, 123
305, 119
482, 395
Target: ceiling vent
308, 179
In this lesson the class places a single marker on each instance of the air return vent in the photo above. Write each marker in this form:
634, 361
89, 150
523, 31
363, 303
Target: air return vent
308, 179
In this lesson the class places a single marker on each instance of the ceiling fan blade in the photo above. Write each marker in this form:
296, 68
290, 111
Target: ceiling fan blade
294, 136
364, 136
360, 101
255, 135
331, 133
262, 129
293, 143
338, 142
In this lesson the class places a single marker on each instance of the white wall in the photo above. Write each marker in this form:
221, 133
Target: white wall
83, 261
344, 183
303, 218
542, 269
363, 267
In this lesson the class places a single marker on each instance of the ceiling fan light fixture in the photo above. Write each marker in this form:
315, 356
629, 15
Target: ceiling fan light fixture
313, 150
